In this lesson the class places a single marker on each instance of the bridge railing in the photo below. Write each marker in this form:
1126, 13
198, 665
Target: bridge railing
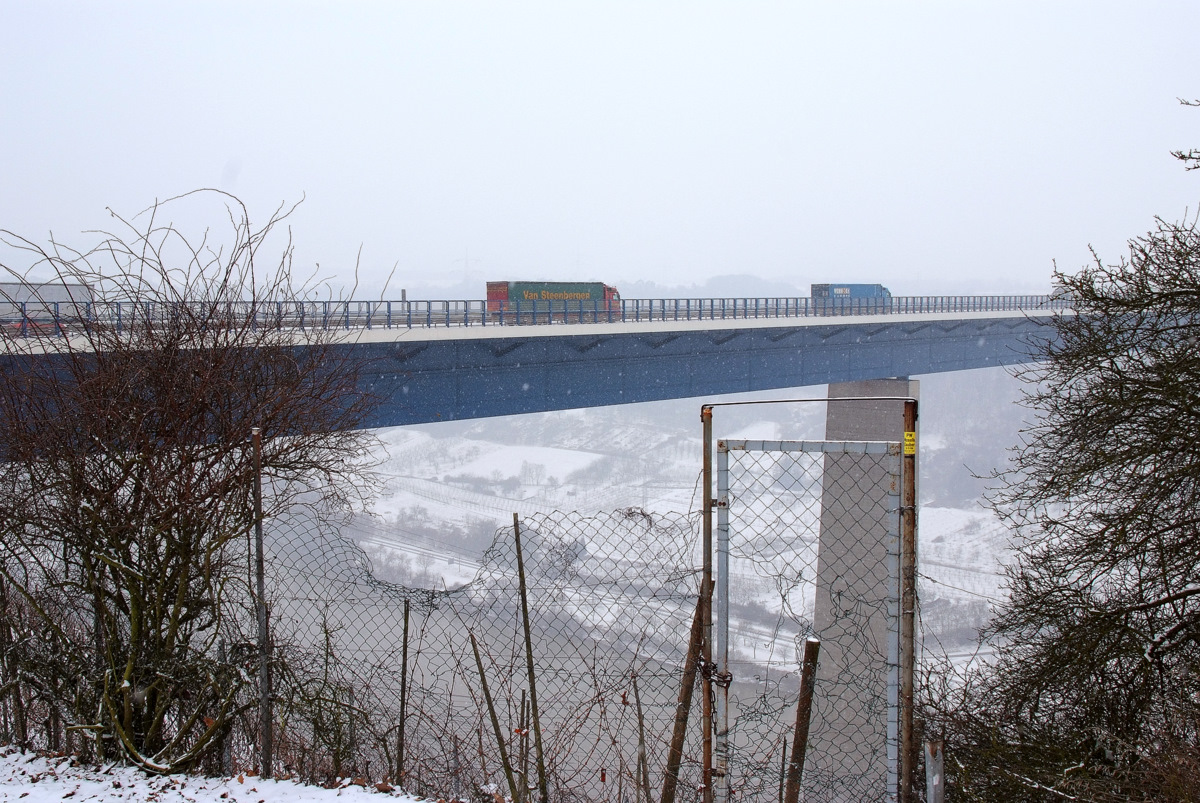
57, 319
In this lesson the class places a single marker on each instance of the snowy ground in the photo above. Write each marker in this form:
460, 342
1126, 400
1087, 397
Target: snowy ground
448, 487
38, 779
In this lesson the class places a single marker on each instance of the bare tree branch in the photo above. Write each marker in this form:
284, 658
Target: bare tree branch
125, 486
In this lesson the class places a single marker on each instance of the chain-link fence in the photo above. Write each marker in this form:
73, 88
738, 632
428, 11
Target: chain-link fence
382, 680
808, 546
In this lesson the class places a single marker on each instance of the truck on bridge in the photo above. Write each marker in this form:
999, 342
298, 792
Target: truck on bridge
850, 299
844, 291
551, 301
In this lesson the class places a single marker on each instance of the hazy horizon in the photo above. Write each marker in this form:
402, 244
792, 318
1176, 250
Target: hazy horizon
934, 147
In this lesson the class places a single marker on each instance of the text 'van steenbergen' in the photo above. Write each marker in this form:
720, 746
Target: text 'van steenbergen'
547, 295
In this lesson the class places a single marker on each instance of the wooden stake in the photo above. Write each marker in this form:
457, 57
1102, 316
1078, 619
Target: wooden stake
643, 764
684, 705
487, 696
808, 676
543, 783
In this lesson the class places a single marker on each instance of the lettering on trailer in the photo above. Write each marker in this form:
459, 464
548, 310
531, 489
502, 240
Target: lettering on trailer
547, 295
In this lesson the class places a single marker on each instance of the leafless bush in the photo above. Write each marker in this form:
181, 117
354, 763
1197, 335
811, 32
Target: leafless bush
1094, 690
125, 477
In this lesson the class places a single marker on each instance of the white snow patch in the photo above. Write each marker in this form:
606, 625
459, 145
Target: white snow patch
33, 778
757, 431
508, 460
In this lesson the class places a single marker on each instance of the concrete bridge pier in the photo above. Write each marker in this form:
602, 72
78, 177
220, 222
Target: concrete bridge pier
853, 737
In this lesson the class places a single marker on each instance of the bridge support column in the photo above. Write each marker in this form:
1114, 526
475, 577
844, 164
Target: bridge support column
854, 730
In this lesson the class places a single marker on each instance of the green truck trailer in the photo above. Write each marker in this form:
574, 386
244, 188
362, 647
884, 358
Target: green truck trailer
584, 299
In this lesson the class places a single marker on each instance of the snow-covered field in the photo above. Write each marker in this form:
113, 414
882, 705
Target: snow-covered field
33, 778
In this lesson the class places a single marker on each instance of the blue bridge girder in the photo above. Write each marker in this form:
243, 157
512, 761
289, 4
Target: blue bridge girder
428, 361
423, 375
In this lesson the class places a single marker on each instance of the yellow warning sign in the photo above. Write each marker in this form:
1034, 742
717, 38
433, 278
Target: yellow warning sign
910, 443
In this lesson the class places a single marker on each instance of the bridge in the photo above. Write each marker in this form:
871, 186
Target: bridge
433, 361
452, 365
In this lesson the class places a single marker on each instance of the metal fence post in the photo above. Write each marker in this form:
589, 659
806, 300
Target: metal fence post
403, 699
935, 778
908, 598
226, 738
721, 674
266, 734
706, 583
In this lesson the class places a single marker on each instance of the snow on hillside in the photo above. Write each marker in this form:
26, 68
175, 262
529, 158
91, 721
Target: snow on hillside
448, 487
33, 778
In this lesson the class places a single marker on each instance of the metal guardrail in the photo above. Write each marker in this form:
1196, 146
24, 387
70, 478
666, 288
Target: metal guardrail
28, 319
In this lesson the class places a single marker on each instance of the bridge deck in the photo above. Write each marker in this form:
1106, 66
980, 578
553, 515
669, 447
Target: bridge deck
472, 367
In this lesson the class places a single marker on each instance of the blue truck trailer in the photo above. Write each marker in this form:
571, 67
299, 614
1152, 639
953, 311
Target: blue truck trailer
850, 299
840, 291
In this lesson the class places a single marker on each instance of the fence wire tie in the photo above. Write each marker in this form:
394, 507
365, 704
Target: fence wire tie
710, 673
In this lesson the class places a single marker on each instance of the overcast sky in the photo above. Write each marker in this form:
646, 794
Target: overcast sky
935, 147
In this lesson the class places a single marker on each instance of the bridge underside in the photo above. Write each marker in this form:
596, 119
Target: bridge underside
423, 381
